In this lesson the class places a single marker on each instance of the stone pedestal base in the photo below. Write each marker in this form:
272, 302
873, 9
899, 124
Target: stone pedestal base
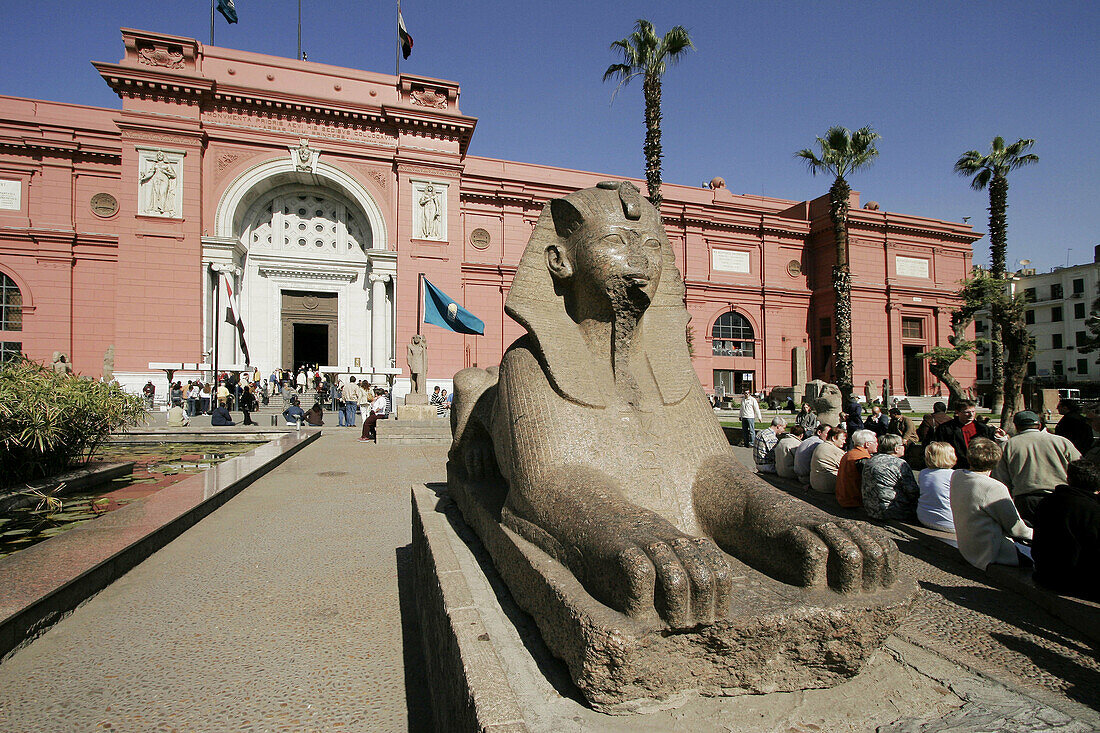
416, 412
775, 637
416, 399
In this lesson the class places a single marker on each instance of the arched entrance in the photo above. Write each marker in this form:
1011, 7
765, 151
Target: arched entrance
307, 257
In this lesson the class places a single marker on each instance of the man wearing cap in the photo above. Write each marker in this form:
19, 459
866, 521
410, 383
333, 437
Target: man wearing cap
1033, 463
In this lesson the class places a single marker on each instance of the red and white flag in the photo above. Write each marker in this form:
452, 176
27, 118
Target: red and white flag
233, 316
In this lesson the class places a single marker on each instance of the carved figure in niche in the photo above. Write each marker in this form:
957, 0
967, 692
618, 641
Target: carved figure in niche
159, 182
109, 364
614, 462
827, 404
417, 358
61, 363
431, 213
303, 156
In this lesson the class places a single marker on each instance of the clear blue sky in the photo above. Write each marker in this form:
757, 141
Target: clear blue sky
935, 78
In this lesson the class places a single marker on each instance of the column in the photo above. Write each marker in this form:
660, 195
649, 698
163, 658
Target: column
378, 352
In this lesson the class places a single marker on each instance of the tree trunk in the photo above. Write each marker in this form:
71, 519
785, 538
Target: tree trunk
842, 287
941, 370
1017, 343
651, 89
998, 249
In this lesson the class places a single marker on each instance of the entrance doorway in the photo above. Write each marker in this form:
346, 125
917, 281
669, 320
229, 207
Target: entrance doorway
310, 326
732, 381
914, 370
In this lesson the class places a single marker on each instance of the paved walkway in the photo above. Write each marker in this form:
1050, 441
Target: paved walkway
286, 609
280, 611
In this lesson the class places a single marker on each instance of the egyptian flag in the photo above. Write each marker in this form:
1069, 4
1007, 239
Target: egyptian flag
225, 7
233, 317
406, 39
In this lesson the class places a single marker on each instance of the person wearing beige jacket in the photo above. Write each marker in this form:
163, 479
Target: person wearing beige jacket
1033, 463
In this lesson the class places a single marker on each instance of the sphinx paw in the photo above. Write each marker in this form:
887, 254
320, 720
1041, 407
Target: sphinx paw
851, 556
690, 579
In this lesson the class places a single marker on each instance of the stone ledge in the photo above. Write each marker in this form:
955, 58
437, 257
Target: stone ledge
469, 687
46, 581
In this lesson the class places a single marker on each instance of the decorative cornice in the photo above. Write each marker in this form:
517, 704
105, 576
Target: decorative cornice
302, 274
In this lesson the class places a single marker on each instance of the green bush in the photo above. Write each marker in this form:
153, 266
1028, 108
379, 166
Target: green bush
50, 422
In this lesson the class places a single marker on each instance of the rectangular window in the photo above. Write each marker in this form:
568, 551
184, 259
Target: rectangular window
1056, 314
1082, 366
11, 305
722, 347
981, 371
1056, 368
1078, 286
912, 328
1029, 317
1031, 371
825, 328
1031, 295
1056, 341
10, 350
1078, 310
979, 326
1080, 338
1056, 291
723, 382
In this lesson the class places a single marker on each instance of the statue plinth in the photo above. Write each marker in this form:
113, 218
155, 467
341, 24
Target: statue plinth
416, 399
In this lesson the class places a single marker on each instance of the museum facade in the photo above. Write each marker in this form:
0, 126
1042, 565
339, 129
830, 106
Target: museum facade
315, 196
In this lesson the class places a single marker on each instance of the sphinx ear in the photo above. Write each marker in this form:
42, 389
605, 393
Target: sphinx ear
558, 263
567, 218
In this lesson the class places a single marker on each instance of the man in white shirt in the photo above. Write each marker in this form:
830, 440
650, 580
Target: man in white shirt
750, 414
377, 412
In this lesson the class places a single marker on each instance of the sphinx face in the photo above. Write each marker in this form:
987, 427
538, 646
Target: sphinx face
619, 261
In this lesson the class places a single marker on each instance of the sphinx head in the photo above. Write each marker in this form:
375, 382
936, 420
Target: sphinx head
607, 255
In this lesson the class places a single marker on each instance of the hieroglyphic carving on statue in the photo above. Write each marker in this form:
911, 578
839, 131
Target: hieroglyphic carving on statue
428, 98
613, 463
170, 57
159, 184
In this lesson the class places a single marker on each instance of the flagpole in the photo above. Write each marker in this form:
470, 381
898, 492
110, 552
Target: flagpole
419, 300
299, 30
217, 323
397, 57
211, 22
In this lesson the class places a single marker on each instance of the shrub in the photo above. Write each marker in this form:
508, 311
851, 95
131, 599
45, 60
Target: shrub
50, 421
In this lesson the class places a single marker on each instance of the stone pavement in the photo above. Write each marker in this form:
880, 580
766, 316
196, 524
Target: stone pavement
280, 611
288, 609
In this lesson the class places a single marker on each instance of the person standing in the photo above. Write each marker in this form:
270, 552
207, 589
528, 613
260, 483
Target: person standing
750, 415
1073, 426
194, 393
351, 403
1033, 463
902, 426
963, 428
437, 400
149, 391
248, 404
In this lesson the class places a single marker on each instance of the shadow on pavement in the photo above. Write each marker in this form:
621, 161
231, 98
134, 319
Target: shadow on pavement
418, 705
1083, 684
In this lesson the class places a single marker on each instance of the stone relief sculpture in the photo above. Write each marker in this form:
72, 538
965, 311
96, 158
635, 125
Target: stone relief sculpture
61, 363
595, 472
158, 184
431, 213
417, 358
304, 157
870, 391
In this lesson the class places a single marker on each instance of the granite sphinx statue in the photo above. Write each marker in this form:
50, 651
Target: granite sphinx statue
596, 473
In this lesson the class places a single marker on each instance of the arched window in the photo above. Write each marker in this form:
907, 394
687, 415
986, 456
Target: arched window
11, 317
732, 335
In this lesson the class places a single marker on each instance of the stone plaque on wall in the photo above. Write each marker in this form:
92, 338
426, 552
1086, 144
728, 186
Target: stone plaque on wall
911, 266
11, 195
160, 182
104, 205
429, 210
727, 260
480, 238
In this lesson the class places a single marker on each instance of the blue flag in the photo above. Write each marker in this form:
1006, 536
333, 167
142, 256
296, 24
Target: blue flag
441, 310
225, 7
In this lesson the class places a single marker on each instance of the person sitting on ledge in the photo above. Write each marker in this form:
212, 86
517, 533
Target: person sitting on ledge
889, 489
1066, 548
377, 412
934, 504
985, 517
220, 417
784, 451
826, 461
931, 421
294, 414
804, 453
849, 475
807, 418
177, 417
763, 450
316, 415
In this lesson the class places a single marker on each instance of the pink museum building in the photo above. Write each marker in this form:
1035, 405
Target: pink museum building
319, 194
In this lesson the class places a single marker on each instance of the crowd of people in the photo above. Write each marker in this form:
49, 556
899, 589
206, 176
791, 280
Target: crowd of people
246, 391
1032, 498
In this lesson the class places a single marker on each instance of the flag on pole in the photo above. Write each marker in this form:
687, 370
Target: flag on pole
233, 317
442, 311
225, 7
406, 39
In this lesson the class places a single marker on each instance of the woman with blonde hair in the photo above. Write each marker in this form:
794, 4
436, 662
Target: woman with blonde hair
934, 504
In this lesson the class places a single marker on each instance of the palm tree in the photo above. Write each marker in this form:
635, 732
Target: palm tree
992, 170
647, 55
842, 152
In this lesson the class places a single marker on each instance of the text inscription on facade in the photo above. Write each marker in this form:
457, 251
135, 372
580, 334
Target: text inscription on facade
726, 260
911, 267
299, 127
11, 195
